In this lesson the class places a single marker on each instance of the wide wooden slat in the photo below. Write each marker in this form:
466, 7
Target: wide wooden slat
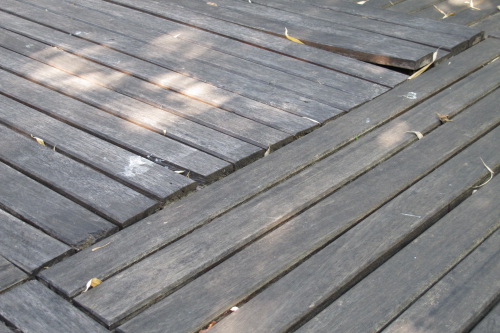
490, 323
137, 139
10, 276
27, 247
174, 221
49, 211
88, 187
32, 307
330, 272
460, 297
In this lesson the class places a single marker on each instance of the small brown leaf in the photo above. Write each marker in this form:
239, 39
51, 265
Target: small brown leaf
444, 118
417, 133
94, 282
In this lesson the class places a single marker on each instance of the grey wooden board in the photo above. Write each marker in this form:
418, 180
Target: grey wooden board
412, 6
26, 246
120, 132
409, 20
172, 59
49, 211
236, 66
461, 297
438, 40
210, 244
175, 220
277, 44
139, 173
362, 45
4, 329
88, 187
220, 120
347, 83
307, 232
490, 25
10, 275
490, 323
330, 272
459, 13
32, 307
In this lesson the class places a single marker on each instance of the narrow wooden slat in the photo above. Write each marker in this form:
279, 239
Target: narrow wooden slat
460, 297
32, 307
118, 131
490, 323
175, 220
10, 276
27, 247
49, 211
337, 267
87, 186
490, 25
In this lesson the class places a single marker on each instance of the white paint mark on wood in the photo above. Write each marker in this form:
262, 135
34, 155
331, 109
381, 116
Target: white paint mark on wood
136, 166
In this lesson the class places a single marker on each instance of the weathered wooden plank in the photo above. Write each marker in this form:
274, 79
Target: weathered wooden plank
307, 233
10, 276
26, 246
481, 10
175, 220
490, 323
410, 272
118, 131
32, 307
347, 83
4, 328
139, 173
413, 6
274, 43
88, 187
49, 211
490, 25
177, 61
462, 296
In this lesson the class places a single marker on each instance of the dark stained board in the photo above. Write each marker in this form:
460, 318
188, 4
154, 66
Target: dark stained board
271, 256
368, 305
88, 187
175, 220
490, 25
462, 296
120, 132
50, 211
27, 247
32, 307
490, 323
10, 275
210, 244
141, 174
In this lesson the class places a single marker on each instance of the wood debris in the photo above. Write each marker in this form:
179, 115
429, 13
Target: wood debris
444, 118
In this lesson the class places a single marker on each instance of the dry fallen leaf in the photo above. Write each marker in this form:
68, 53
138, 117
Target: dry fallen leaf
40, 141
234, 309
268, 151
208, 327
293, 39
94, 282
417, 133
100, 247
212, 4
445, 15
491, 175
423, 69
444, 118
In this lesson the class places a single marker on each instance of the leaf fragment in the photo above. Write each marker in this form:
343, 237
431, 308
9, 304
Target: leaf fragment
293, 39
40, 141
445, 15
491, 175
444, 118
423, 69
417, 133
94, 282
212, 4
100, 247
208, 327
268, 151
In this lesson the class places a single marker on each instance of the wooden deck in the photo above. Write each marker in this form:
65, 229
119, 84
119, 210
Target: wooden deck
326, 193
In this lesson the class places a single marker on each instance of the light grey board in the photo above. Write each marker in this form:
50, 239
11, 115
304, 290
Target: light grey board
32, 307
330, 272
10, 276
49, 211
175, 220
4, 329
312, 72
146, 143
490, 323
137, 172
27, 247
461, 297
230, 283
148, 71
254, 89
88, 187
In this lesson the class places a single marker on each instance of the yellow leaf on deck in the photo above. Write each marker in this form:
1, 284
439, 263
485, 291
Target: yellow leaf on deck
94, 282
293, 39
40, 141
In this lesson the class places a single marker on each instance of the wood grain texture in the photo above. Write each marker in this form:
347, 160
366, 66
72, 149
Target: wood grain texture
231, 282
348, 259
32, 307
10, 276
88, 187
175, 220
49, 211
490, 25
27, 247
490, 323
462, 296
4, 328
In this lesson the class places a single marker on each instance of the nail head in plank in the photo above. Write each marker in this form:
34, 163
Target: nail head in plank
32, 307
10, 276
